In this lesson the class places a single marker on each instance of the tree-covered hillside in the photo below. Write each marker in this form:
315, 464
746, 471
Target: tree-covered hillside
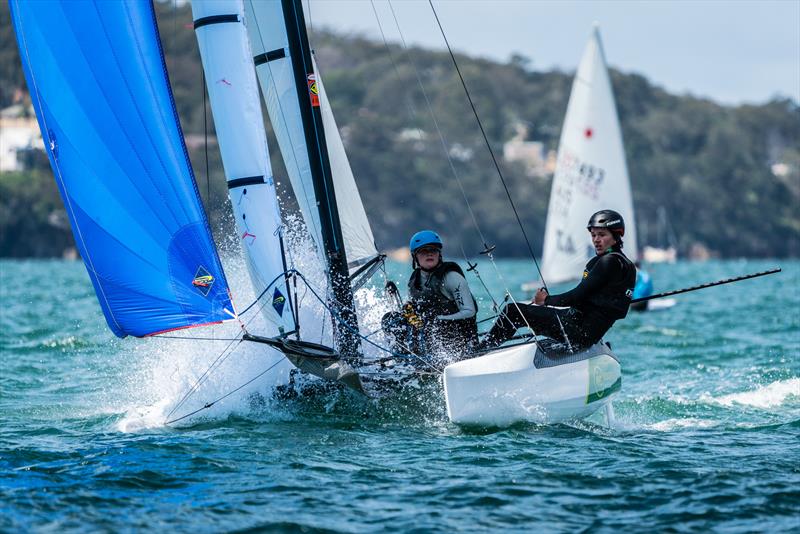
728, 177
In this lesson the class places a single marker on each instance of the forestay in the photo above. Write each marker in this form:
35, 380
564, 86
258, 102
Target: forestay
265, 23
233, 91
591, 173
99, 85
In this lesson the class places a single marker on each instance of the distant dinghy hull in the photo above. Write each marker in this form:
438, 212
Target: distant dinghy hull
524, 384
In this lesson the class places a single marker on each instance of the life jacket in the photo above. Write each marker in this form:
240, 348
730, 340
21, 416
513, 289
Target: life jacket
429, 302
614, 298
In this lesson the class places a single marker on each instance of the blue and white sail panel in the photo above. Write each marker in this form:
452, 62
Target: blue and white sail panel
236, 106
265, 22
99, 86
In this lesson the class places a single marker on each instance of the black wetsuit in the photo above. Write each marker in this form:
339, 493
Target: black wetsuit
602, 297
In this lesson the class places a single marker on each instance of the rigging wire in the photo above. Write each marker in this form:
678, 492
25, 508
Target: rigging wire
442, 139
231, 347
341, 321
486, 140
499, 173
212, 403
227, 351
488, 250
235, 342
439, 132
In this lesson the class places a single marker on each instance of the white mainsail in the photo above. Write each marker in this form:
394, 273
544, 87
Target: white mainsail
233, 91
591, 173
265, 24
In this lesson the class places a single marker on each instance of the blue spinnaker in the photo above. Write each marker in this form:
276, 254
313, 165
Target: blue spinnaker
99, 85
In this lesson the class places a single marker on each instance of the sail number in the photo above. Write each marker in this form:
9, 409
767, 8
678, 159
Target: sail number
579, 176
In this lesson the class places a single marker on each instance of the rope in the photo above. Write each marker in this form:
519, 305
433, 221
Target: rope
214, 365
486, 140
499, 172
336, 317
212, 403
443, 142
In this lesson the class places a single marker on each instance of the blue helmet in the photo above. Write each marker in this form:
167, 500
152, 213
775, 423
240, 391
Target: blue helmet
422, 238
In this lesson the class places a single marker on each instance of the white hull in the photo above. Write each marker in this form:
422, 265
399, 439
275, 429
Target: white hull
513, 384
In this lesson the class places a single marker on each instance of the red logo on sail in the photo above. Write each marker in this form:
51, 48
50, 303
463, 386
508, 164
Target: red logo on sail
313, 91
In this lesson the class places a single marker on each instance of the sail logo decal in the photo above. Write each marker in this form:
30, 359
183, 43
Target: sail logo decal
247, 234
602, 382
51, 136
278, 301
313, 90
203, 280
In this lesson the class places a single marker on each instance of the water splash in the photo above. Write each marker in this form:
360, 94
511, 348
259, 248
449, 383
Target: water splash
769, 396
175, 377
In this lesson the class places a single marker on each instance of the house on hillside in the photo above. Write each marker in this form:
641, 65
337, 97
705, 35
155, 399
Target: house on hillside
530, 153
19, 131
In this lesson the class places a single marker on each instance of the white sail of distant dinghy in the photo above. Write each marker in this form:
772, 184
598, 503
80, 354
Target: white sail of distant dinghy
591, 173
236, 107
274, 68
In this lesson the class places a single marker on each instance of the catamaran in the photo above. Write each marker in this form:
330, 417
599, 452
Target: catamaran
100, 88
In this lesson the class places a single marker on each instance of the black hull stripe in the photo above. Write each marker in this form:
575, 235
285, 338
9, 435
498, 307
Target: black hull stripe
215, 19
272, 55
250, 180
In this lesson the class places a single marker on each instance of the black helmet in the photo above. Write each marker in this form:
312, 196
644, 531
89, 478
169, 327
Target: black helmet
607, 219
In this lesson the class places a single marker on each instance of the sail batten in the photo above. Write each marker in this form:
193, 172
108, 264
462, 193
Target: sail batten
96, 74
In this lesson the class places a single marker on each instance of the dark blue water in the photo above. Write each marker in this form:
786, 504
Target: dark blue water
707, 436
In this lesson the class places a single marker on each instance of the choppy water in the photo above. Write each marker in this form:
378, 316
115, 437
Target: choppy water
707, 436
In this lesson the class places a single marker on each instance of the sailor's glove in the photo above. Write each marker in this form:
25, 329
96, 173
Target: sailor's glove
410, 315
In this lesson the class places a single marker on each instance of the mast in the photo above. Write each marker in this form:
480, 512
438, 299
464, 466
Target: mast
346, 335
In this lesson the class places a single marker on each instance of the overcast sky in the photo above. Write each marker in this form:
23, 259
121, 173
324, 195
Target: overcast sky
731, 51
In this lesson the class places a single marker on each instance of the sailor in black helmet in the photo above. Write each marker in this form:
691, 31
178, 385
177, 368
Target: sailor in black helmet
602, 296
441, 308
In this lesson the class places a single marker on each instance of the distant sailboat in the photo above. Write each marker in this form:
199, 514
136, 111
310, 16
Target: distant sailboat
666, 249
591, 173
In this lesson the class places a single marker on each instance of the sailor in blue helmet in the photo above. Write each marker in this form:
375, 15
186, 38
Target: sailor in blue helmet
439, 317
588, 311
